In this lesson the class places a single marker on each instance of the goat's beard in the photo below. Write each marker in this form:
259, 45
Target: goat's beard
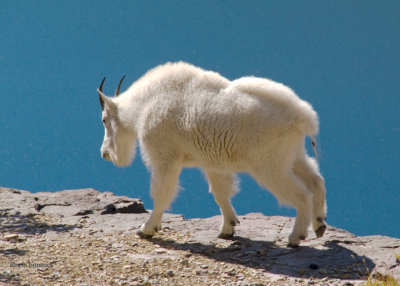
123, 157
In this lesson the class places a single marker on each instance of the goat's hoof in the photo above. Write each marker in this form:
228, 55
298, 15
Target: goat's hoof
146, 233
295, 245
320, 231
141, 234
294, 240
225, 235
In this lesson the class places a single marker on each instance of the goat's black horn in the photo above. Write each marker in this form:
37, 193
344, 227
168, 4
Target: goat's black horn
119, 85
102, 83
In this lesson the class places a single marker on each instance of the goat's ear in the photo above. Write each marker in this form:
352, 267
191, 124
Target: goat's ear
101, 101
105, 101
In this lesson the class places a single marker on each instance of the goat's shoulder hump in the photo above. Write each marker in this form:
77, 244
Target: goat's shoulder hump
172, 68
181, 73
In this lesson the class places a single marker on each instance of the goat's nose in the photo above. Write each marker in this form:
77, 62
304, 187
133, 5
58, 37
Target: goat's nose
104, 154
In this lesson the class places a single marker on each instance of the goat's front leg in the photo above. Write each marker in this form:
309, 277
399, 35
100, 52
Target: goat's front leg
164, 180
223, 186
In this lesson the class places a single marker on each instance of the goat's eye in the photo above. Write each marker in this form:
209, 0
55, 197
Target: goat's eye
104, 121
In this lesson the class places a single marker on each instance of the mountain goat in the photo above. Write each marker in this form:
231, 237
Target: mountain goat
184, 116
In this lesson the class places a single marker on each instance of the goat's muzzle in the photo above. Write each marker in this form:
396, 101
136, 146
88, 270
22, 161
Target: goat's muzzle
105, 155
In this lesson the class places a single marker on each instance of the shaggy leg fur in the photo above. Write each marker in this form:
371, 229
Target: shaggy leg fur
164, 182
223, 186
307, 170
290, 190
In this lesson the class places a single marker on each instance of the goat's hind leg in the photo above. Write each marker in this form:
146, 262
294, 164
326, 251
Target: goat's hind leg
290, 190
223, 186
164, 181
306, 169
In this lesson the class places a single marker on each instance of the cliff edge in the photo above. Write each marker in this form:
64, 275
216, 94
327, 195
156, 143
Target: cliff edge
87, 237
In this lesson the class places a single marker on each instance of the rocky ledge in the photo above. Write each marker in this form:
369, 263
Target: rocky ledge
87, 237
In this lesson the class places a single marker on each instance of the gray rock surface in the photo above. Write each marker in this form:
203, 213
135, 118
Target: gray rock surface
259, 242
69, 202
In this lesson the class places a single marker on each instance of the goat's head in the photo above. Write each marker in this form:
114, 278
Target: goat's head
118, 144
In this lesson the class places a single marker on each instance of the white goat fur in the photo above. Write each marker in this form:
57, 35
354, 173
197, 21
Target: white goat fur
184, 116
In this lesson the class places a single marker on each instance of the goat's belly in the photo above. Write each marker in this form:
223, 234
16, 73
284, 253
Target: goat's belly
215, 159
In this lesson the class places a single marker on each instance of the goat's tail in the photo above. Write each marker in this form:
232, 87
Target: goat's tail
309, 124
314, 146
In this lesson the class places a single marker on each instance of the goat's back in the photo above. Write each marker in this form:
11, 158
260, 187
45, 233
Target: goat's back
220, 120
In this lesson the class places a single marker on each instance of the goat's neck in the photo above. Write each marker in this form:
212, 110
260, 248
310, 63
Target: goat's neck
128, 111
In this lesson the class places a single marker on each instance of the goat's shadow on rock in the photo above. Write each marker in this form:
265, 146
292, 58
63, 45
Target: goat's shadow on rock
28, 224
10, 279
333, 261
